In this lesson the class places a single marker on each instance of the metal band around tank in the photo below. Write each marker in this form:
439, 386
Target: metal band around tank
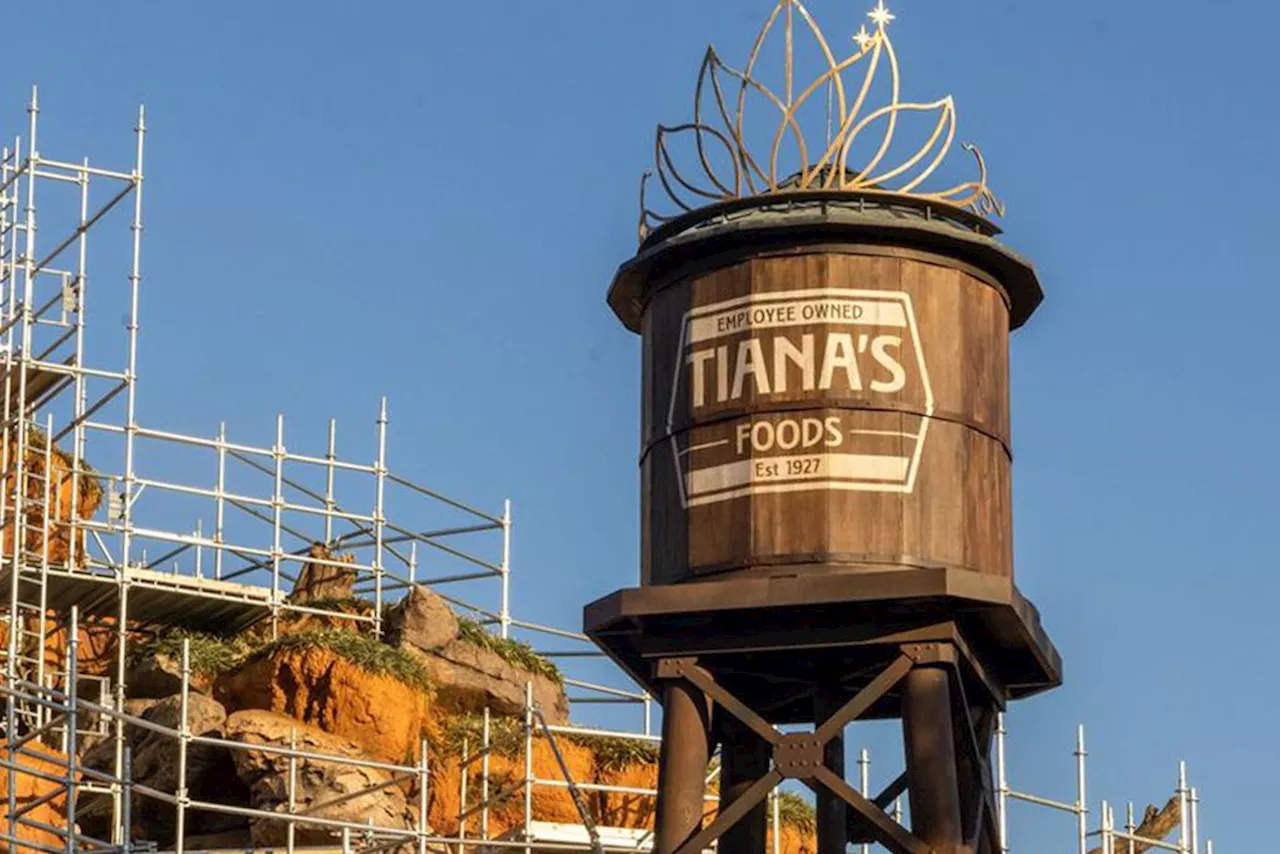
851, 406
871, 223
768, 564
702, 265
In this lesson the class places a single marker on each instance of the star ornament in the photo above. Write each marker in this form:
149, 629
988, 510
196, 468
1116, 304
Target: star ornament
863, 38
880, 15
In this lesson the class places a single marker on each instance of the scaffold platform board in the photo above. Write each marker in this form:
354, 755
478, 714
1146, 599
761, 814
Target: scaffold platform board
555, 837
155, 597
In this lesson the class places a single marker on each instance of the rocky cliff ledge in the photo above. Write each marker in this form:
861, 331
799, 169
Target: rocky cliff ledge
326, 685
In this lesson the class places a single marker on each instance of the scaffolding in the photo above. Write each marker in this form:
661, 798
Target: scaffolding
207, 533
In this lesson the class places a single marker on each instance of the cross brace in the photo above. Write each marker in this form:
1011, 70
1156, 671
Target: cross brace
948, 776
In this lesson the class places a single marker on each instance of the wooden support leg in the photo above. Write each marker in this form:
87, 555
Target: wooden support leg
744, 760
831, 812
682, 766
931, 758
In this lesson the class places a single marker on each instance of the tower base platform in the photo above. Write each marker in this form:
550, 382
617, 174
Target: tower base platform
733, 660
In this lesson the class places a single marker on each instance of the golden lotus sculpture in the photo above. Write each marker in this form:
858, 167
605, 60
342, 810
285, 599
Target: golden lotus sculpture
728, 168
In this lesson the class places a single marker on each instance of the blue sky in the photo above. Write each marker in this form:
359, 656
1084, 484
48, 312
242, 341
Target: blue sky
428, 201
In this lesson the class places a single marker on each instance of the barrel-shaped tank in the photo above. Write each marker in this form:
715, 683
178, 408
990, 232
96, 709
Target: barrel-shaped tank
825, 394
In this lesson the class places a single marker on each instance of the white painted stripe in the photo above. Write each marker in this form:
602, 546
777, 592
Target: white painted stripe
803, 293
912, 436
804, 486
774, 314
704, 446
771, 470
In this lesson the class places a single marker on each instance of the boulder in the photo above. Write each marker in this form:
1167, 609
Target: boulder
137, 707
468, 678
318, 781
96, 729
93, 727
160, 676
210, 773
229, 840
422, 620
36, 759
317, 686
321, 581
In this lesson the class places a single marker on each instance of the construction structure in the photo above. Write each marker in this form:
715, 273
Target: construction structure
99, 531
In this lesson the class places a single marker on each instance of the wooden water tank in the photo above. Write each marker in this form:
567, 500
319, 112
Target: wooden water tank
825, 387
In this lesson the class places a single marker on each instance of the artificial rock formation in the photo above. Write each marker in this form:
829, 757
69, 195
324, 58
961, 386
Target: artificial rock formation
31, 789
96, 643
467, 677
239, 839
550, 803
210, 773
64, 489
320, 784
316, 686
320, 581
586, 764
350, 699
160, 675
1156, 824
422, 621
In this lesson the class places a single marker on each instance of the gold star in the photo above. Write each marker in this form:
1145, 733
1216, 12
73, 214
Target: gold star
880, 15
863, 38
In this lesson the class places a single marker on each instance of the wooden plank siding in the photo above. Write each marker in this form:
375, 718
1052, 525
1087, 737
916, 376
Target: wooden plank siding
957, 512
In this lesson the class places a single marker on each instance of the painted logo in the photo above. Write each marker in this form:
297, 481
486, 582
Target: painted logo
838, 381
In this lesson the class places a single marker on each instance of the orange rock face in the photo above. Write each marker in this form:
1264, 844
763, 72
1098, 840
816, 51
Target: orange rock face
318, 687
63, 490
554, 803
96, 655
30, 789
618, 809
550, 803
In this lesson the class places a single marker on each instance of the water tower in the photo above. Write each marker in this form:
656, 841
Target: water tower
825, 452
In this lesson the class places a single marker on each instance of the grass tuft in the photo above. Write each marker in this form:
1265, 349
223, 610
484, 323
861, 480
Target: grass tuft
506, 737
369, 654
211, 655
513, 652
614, 754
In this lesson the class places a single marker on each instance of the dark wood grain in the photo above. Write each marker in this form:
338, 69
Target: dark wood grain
958, 513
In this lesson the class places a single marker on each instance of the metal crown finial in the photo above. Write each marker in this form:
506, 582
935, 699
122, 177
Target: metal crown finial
741, 172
